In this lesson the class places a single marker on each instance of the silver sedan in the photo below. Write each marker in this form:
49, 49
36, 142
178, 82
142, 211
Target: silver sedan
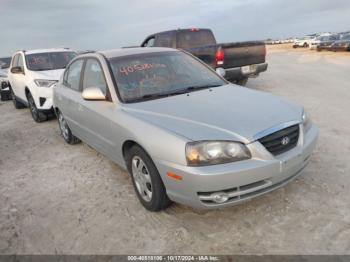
182, 131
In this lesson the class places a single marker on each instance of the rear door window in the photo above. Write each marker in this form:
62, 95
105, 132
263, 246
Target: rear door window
195, 38
166, 39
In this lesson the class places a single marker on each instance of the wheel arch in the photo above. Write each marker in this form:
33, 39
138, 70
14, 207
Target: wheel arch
27, 91
127, 145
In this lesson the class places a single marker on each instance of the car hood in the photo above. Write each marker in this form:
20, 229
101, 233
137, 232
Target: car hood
228, 112
48, 75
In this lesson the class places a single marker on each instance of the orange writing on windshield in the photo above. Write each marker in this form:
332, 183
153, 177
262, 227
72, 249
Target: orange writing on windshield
126, 70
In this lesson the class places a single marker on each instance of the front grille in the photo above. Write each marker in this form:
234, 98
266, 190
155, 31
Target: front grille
282, 140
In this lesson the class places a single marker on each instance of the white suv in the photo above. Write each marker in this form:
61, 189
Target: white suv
303, 42
32, 75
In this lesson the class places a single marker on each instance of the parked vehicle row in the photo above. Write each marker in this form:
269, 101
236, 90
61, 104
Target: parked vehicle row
303, 42
332, 42
184, 133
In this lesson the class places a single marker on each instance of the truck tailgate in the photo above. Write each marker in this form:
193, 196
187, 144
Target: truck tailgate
243, 53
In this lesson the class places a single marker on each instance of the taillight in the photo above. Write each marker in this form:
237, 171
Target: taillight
194, 30
219, 57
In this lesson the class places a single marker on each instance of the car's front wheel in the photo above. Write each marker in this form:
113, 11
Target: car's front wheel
147, 182
35, 112
65, 130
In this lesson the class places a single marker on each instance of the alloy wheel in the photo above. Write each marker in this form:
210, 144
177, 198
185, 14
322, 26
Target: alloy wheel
63, 127
33, 108
142, 178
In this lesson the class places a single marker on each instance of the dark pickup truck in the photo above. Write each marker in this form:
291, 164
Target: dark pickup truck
240, 60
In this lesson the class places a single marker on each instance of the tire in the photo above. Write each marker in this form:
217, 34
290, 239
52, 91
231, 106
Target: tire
17, 104
37, 115
305, 45
66, 133
5, 95
147, 182
242, 82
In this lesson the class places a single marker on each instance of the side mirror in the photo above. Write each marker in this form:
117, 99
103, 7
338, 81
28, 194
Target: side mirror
17, 70
93, 93
220, 71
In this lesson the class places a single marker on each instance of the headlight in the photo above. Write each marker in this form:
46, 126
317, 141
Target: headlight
204, 153
306, 122
44, 82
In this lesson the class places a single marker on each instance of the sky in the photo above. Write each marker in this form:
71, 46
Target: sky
108, 24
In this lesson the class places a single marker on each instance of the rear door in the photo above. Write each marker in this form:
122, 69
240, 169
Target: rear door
69, 96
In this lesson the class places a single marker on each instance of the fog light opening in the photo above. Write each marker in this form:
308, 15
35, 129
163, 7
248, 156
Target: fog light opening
220, 197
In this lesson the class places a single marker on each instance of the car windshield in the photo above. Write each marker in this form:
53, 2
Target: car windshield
5, 62
49, 61
155, 75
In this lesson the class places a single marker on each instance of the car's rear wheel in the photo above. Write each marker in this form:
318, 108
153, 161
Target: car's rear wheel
17, 104
65, 130
305, 45
37, 115
147, 182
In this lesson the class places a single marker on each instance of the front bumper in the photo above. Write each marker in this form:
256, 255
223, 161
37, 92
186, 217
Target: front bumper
238, 73
42, 97
241, 180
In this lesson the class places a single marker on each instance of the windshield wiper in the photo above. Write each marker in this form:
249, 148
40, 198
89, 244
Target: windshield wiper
179, 92
42, 69
147, 97
193, 88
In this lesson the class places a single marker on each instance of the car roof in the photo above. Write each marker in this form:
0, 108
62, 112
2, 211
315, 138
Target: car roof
48, 50
134, 51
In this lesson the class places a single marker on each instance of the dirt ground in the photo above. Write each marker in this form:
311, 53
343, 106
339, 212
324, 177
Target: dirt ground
62, 199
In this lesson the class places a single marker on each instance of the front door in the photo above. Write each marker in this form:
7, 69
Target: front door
96, 115
18, 80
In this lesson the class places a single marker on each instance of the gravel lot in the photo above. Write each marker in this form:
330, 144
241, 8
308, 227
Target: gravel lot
57, 198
